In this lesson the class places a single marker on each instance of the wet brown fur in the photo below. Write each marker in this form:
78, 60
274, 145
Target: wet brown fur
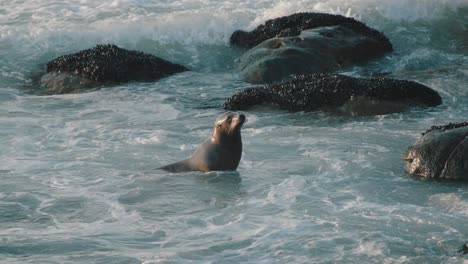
221, 152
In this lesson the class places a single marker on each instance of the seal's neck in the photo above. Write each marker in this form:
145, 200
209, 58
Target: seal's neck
226, 139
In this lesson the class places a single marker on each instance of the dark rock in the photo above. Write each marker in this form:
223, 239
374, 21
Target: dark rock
322, 49
446, 127
292, 25
464, 249
333, 92
441, 153
104, 64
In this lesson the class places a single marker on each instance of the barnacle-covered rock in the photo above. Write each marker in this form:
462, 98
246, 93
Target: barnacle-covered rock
306, 43
101, 65
334, 92
292, 25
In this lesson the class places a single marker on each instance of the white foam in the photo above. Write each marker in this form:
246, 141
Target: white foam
284, 8
450, 202
286, 192
327, 160
62, 23
393, 10
152, 138
88, 143
370, 248
39, 31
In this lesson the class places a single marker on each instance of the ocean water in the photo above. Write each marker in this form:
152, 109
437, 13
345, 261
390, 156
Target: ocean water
77, 178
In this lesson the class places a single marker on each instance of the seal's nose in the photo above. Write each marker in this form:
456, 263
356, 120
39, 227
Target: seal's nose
242, 118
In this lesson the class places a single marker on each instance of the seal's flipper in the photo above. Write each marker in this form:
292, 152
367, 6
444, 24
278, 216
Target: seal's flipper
179, 166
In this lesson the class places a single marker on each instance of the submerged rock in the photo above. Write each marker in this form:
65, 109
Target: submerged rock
306, 43
292, 25
104, 64
441, 153
334, 92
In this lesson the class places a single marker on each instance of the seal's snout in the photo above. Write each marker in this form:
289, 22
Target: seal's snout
235, 122
242, 118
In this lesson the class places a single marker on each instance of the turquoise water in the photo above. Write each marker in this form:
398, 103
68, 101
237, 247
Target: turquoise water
78, 183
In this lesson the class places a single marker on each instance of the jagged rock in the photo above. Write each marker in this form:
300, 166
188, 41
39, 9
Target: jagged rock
102, 65
334, 92
306, 43
441, 153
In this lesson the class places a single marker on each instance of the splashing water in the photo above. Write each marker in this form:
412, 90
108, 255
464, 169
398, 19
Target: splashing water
78, 184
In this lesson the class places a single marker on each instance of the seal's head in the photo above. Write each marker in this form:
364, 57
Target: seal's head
227, 128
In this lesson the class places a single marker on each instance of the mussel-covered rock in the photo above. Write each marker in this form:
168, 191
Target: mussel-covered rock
292, 25
306, 43
103, 65
334, 92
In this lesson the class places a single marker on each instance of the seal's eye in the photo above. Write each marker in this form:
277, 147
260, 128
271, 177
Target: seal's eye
229, 120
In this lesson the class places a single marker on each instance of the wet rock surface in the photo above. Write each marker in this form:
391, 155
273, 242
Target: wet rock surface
292, 25
334, 92
102, 65
322, 49
441, 153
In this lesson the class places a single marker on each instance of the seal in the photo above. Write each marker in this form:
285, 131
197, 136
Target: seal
221, 152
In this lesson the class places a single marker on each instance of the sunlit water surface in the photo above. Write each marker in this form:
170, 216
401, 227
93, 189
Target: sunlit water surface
78, 183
